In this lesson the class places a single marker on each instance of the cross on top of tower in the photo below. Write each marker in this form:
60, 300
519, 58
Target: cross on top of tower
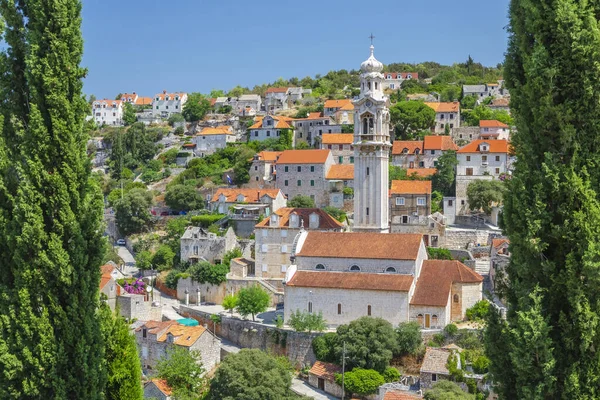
371, 37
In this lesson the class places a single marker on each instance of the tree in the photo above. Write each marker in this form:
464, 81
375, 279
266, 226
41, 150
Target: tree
121, 357
391, 374
301, 201
230, 302
551, 206
408, 335
143, 260
175, 118
483, 194
183, 371
335, 212
370, 343
324, 347
195, 108
162, 260
362, 382
302, 321
252, 300
132, 212
468, 102
410, 117
183, 198
251, 374
129, 117
50, 209
446, 390
444, 179
205, 272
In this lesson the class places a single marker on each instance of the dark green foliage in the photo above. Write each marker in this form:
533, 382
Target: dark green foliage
206, 220
251, 375
478, 311
450, 330
446, 390
175, 118
121, 357
162, 260
132, 147
468, 102
230, 255
391, 374
472, 117
444, 179
438, 253
133, 211
481, 365
408, 335
172, 279
169, 156
183, 198
411, 117
195, 108
302, 321
483, 194
143, 260
252, 300
370, 343
182, 369
396, 174
348, 128
51, 242
437, 199
362, 382
336, 213
324, 347
129, 117
205, 272
301, 201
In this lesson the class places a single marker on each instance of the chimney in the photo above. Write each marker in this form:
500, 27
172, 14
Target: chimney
164, 92
133, 92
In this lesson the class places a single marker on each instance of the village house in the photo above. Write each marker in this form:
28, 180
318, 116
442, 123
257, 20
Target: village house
393, 80
311, 128
434, 367
485, 90
346, 276
245, 200
134, 99
262, 169
446, 113
296, 94
269, 127
304, 172
341, 110
424, 173
276, 99
421, 154
108, 284
339, 177
247, 105
211, 139
395, 394
157, 389
502, 104
492, 129
322, 377
164, 104
155, 338
275, 237
197, 244
340, 145
108, 112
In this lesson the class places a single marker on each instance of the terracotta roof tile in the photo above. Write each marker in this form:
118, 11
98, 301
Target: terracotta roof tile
351, 281
388, 246
499, 242
268, 155
219, 130
433, 142
491, 123
435, 361
326, 221
325, 370
403, 75
421, 172
344, 172
107, 269
400, 395
347, 107
183, 335
303, 157
250, 195
277, 90
162, 385
312, 116
436, 278
496, 146
444, 106
500, 103
108, 102
410, 187
162, 96
104, 281
337, 103
337, 138
281, 122
411, 145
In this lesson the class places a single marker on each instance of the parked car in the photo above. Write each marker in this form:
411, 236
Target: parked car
164, 213
121, 242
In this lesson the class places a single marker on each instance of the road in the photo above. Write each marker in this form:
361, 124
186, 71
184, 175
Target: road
129, 268
303, 388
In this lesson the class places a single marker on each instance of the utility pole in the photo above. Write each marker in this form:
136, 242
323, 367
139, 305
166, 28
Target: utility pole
343, 371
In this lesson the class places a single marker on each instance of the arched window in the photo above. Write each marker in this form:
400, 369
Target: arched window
310, 306
456, 298
339, 308
417, 151
369, 310
434, 320
390, 269
365, 126
375, 85
420, 319
355, 268
320, 266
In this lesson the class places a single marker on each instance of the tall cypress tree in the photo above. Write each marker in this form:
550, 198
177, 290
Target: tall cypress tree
50, 209
549, 347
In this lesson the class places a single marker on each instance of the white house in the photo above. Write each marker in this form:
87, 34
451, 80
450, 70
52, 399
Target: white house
492, 129
263, 201
341, 110
108, 112
134, 99
247, 105
341, 147
276, 99
269, 127
393, 80
446, 113
262, 169
164, 104
210, 139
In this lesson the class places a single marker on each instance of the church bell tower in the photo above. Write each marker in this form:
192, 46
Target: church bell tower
371, 150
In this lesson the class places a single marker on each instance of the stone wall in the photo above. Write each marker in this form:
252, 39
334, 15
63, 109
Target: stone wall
465, 134
243, 228
297, 346
215, 293
134, 306
459, 239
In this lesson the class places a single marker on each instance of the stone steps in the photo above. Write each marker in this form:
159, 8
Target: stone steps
482, 267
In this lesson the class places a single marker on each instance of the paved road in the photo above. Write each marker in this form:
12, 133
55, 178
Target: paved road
129, 268
303, 388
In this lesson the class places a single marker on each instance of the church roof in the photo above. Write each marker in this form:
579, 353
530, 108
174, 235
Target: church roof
326, 221
436, 279
351, 281
365, 245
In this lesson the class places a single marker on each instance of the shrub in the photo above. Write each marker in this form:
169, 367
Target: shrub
438, 340
362, 382
336, 213
436, 253
253, 300
391, 374
450, 330
408, 335
324, 347
205, 221
162, 260
172, 279
230, 302
302, 321
205, 272
479, 311
481, 365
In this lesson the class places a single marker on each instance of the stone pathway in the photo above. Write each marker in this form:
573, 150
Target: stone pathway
302, 388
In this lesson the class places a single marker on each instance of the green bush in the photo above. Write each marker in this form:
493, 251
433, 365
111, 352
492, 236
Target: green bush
479, 311
438, 339
162, 260
437, 253
302, 321
481, 365
336, 213
362, 382
172, 279
450, 330
408, 335
391, 374
324, 347
205, 272
207, 220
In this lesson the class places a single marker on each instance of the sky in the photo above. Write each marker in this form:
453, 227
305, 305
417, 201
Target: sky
148, 46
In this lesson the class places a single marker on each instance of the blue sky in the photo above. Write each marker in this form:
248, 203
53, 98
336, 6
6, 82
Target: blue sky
196, 45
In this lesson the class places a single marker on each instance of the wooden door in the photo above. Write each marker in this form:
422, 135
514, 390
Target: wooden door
427, 320
321, 384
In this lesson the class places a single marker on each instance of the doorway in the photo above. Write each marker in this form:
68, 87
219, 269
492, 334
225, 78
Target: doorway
321, 384
427, 320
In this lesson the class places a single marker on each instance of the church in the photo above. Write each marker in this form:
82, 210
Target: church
369, 271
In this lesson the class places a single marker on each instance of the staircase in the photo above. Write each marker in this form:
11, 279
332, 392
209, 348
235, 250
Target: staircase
482, 267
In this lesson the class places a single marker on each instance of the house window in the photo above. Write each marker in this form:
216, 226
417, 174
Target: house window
268, 133
312, 182
256, 168
434, 320
329, 146
351, 159
451, 116
284, 233
310, 306
264, 248
144, 333
483, 158
432, 152
399, 201
497, 158
286, 168
355, 268
390, 269
462, 202
339, 309
450, 202
265, 232
421, 164
469, 171
264, 268
420, 201
367, 210
367, 171
405, 219
468, 158
283, 268
312, 168
420, 319
299, 182
299, 168
285, 183
284, 248
320, 266
392, 86
340, 159
433, 377
369, 310
456, 298
497, 171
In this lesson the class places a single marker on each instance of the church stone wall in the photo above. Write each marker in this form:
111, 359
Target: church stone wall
471, 294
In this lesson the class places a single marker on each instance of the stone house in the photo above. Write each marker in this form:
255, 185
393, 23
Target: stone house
247, 105
210, 139
247, 202
275, 237
393, 80
432, 227
465, 135
197, 244
312, 128
446, 113
276, 99
340, 146
269, 127
157, 389
339, 177
164, 104
502, 104
322, 377
108, 284
499, 260
434, 367
138, 306
341, 110
481, 92
108, 112
297, 93
492, 129
155, 338
409, 199
304, 172
262, 170
421, 154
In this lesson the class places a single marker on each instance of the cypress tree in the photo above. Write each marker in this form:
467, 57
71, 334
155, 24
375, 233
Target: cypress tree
50, 210
549, 347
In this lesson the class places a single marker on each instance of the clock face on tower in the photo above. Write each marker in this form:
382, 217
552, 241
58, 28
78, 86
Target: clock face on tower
368, 103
